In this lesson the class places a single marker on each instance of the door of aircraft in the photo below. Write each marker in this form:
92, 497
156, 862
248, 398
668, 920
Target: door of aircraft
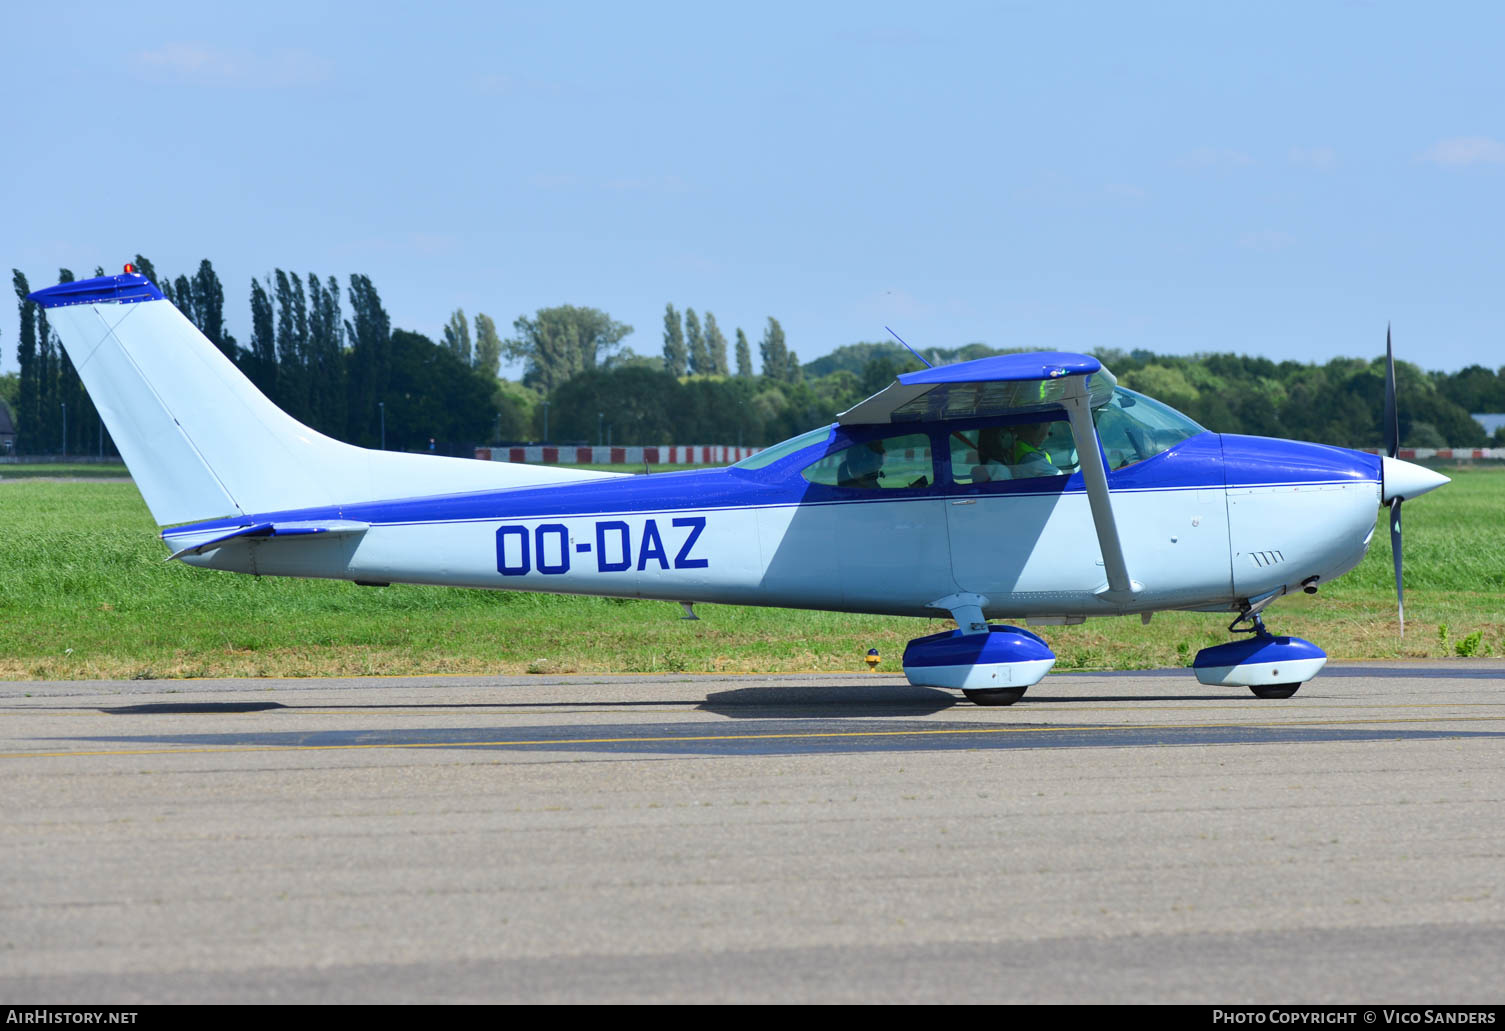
1021, 524
1017, 534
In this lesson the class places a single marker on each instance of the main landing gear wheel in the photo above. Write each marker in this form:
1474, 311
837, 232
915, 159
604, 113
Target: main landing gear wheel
998, 695
1273, 690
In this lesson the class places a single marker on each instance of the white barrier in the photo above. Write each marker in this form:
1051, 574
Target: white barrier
674, 454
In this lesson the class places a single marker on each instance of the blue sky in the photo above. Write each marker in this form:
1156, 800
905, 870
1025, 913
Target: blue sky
1274, 179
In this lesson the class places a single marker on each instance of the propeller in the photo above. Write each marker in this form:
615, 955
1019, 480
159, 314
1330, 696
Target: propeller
1392, 448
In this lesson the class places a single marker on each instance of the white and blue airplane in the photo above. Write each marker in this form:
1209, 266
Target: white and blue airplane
1028, 487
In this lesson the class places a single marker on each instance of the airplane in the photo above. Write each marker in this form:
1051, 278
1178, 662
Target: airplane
1029, 487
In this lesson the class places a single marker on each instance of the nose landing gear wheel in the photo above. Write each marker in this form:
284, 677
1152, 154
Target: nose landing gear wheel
1273, 690
998, 695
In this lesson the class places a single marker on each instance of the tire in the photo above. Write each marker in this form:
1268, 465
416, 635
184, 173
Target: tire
1274, 690
994, 695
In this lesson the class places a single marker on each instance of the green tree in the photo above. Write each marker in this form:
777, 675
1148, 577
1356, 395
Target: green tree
488, 354
209, 309
715, 345
432, 395
457, 336
744, 356
261, 362
695, 344
774, 351
676, 355
561, 342
369, 332
79, 430
326, 357
28, 408
182, 297
292, 334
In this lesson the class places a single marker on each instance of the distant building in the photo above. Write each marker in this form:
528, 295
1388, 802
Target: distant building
7, 430
1490, 421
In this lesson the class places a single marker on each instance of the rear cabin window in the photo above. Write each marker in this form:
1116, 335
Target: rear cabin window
892, 463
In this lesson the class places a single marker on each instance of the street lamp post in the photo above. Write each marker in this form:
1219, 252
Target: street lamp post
600, 428
546, 422
382, 407
65, 430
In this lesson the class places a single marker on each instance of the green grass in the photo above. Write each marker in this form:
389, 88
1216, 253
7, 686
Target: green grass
63, 470
84, 592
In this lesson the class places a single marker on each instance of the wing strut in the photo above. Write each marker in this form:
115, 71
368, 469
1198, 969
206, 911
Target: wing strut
1095, 478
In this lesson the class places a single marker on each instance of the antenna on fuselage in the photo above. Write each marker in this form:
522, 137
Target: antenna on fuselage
912, 351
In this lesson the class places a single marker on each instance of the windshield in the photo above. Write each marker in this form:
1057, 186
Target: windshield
1134, 427
770, 455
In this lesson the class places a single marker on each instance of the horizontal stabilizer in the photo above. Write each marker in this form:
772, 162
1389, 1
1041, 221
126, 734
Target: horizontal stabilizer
265, 531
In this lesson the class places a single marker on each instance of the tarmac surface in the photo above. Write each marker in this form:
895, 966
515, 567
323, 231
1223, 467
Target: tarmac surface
844, 838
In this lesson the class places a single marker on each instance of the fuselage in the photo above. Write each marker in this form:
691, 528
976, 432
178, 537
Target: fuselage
1210, 523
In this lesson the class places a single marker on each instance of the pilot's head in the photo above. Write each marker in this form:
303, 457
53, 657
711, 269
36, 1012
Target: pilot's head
1032, 432
865, 459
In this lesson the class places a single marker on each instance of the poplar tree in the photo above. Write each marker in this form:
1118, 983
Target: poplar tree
326, 356
675, 355
457, 336
488, 353
744, 356
45, 430
182, 296
262, 360
369, 332
28, 393
81, 425
209, 309
700, 358
715, 345
774, 352
292, 325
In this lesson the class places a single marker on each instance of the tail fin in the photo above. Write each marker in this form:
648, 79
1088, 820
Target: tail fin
202, 442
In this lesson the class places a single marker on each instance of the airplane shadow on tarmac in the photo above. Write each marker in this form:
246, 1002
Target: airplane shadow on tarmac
835, 702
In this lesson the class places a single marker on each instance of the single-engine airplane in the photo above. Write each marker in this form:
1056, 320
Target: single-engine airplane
1025, 486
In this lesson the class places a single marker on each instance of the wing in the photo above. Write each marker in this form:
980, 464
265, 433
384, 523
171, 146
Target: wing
998, 386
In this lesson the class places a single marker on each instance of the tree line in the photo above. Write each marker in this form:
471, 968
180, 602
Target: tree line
326, 353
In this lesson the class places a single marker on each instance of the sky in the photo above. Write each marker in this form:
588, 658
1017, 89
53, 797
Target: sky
1276, 179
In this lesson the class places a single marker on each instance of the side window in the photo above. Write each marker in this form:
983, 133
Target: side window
1012, 451
893, 463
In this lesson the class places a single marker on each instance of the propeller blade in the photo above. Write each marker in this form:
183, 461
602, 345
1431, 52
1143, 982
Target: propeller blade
1392, 417
1395, 551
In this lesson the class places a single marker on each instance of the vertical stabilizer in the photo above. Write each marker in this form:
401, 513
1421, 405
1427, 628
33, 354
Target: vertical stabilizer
202, 442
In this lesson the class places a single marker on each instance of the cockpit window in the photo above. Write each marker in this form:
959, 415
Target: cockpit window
770, 455
1134, 427
1012, 451
888, 464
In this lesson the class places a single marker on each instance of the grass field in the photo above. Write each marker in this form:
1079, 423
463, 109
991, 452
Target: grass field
57, 470
84, 592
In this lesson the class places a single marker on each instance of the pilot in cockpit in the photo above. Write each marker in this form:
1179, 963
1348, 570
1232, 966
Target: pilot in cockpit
1013, 453
861, 466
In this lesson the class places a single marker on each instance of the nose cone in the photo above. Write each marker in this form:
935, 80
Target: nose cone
1407, 480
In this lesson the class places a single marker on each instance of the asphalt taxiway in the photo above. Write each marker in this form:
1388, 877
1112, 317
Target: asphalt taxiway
1114, 837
